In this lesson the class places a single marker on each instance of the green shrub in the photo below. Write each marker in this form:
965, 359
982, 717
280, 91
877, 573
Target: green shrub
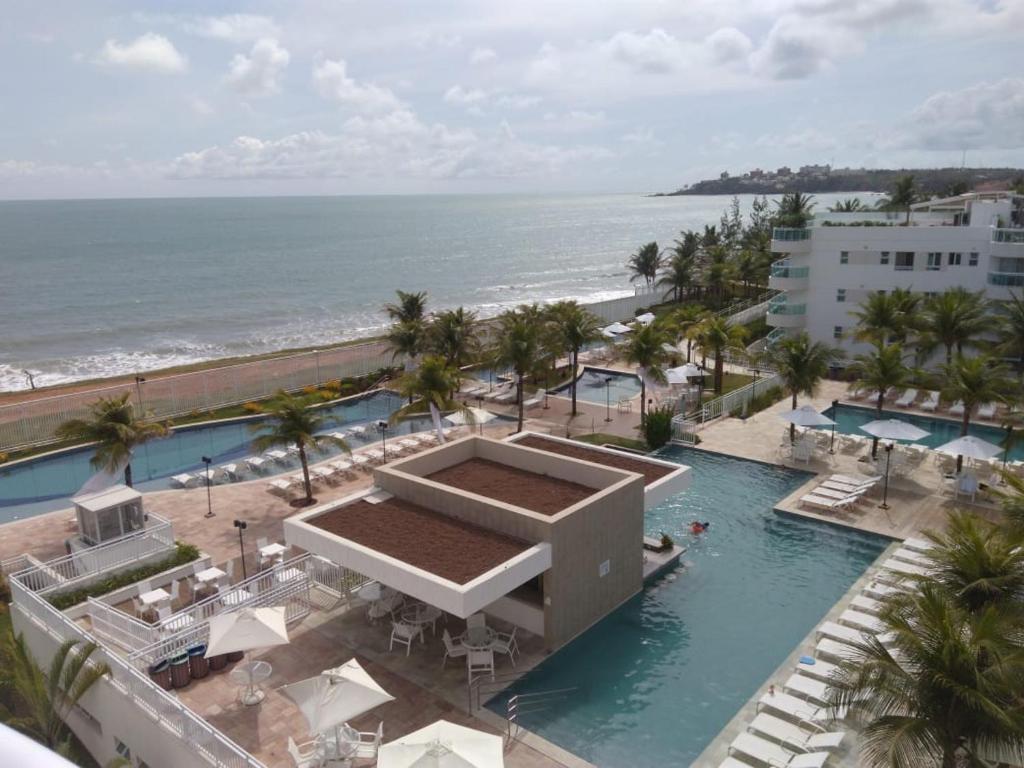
667, 541
184, 553
657, 426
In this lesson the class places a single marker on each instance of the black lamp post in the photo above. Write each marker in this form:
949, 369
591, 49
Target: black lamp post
382, 426
138, 390
608, 398
209, 500
832, 440
241, 525
885, 487
31, 379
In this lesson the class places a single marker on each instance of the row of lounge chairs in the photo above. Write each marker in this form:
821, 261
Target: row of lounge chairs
931, 402
839, 492
796, 727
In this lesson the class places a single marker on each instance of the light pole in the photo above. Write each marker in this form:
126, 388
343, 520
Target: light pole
608, 398
885, 487
138, 390
832, 440
383, 427
209, 500
241, 525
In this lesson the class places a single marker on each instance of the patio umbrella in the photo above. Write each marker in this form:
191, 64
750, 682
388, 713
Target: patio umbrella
471, 416
336, 696
443, 745
670, 349
892, 429
646, 318
683, 373
615, 329
970, 447
807, 416
246, 630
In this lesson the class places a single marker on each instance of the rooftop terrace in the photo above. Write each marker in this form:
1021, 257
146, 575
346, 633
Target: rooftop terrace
651, 471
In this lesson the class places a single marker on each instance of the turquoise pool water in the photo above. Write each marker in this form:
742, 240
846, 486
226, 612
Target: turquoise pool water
661, 676
46, 483
849, 419
591, 386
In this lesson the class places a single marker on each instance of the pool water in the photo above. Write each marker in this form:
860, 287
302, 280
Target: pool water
659, 678
47, 483
590, 386
849, 419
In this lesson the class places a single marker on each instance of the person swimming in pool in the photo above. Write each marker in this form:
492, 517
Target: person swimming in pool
698, 527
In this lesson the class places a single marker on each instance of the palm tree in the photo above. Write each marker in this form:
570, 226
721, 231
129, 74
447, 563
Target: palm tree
947, 684
293, 422
710, 238
1011, 503
683, 321
410, 307
974, 381
749, 269
718, 273
849, 205
645, 264
48, 697
880, 370
112, 426
795, 209
1011, 329
802, 364
406, 340
881, 318
575, 326
644, 350
430, 388
720, 335
454, 335
903, 195
954, 319
680, 276
518, 347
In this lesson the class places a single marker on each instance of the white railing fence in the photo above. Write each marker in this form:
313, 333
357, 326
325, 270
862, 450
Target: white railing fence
166, 710
77, 569
738, 399
684, 430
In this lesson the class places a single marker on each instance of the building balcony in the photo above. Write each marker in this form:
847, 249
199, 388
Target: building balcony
784, 314
791, 240
1007, 279
1014, 236
775, 336
785, 277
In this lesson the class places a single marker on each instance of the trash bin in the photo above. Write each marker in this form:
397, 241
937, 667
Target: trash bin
198, 665
218, 662
160, 673
180, 677
235, 656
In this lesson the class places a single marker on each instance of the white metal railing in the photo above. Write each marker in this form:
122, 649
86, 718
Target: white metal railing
117, 626
70, 570
738, 399
684, 430
165, 710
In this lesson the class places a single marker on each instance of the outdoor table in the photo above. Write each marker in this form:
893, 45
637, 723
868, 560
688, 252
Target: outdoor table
251, 674
369, 592
417, 615
478, 638
272, 550
209, 574
154, 596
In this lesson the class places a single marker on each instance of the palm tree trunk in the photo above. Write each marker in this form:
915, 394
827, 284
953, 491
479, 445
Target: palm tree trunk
643, 399
949, 354
719, 370
575, 367
792, 426
519, 399
305, 472
128, 474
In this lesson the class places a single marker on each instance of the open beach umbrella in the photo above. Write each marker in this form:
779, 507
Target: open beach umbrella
970, 447
646, 318
471, 416
683, 373
336, 696
806, 416
892, 429
615, 329
443, 745
246, 630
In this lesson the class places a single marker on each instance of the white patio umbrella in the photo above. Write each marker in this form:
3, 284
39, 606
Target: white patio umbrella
681, 374
892, 429
336, 696
471, 416
806, 416
443, 745
246, 630
970, 447
670, 349
615, 329
646, 318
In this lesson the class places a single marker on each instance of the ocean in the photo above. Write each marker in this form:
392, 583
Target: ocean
94, 288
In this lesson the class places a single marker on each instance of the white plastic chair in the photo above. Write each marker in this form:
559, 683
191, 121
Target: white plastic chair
476, 621
404, 634
506, 643
368, 744
480, 663
311, 754
452, 649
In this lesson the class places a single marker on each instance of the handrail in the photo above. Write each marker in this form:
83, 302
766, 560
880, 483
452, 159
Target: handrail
791, 234
738, 398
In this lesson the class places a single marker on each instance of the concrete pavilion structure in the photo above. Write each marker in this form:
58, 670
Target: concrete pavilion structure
544, 533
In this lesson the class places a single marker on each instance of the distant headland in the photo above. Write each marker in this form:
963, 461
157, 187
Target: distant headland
824, 178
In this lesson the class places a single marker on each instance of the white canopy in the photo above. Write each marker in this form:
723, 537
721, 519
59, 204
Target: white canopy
615, 329
970, 447
806, 416
336, 696
470, 416
894, 429
246, 630
646, 318
683, 373
443, 745
670, 349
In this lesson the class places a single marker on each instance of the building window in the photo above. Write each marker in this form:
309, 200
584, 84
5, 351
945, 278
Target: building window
954, 259
840, 295
934, 261
904, 261
885, 258
972, 260
844, 257
837, 332
123, 750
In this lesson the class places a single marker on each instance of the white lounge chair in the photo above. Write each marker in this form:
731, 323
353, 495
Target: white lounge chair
255, 463
866, 604
846, 487
918, 545
832, 493
907, 398
774, 755
790, 734
904, 569
856, 392
230, 471
280, 486
184, 480
931, 402
341, 467
880, 591
800, 709
807, 688
987, 411
323, 473
819, 670
835, 650
824, 502
840, 632
859, 620
536, 400
957, 408
851, 480
910, 556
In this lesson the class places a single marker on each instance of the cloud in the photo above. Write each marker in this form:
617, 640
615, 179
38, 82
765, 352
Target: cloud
477, 100
482, 56
258, 74
464, 97
235, 27
330, 77
656, 52
795, 49
151, 52
728, 45
981, 116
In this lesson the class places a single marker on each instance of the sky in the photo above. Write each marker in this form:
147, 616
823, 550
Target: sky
133, 99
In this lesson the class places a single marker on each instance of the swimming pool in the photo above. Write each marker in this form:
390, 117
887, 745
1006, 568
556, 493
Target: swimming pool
591, 386
662, 675
47, 483
849, 419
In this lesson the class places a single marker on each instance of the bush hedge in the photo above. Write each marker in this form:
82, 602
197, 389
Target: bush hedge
184, 553
657, 426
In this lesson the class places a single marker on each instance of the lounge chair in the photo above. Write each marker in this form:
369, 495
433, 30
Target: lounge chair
957, 408
800, 709
536, 400
931, 402
987, 411
230, 471
774, 755
866, 604
789, 734
907, 398
881, 591
184, 480
856, 392
807, 688
833, 493
280, 486
910, 556
918, 545
824, 502
840, 632
851, 480
859, 620
323, 473
819, 670
831, 485
255, 463
903, 568
835, 650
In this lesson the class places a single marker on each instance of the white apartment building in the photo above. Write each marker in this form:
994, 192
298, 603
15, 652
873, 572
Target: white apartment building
826, 270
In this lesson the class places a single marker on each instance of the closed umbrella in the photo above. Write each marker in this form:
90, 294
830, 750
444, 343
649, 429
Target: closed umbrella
892, 429
336, 696
443, 745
